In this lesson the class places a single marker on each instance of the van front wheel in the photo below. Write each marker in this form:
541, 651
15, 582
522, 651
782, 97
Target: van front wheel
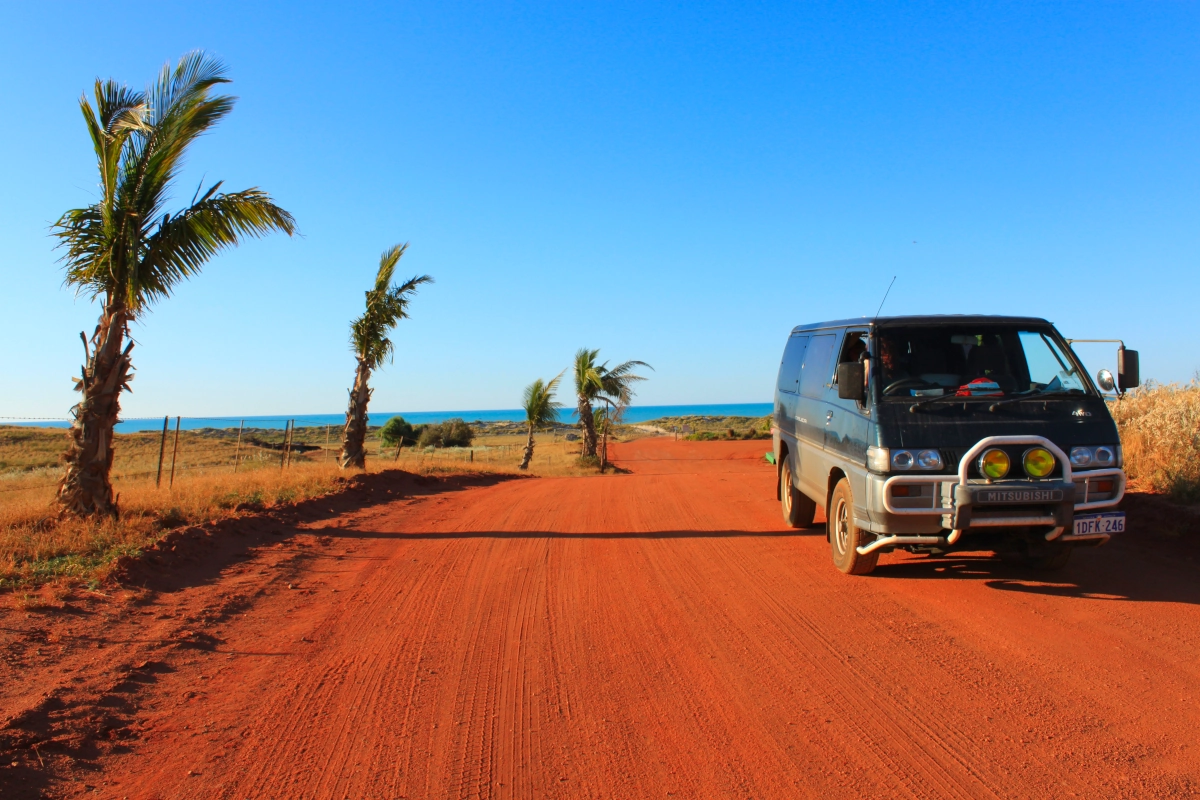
845, 536
798, 510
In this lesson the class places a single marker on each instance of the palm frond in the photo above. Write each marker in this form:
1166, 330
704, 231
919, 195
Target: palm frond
541, 409
126, 246
386, 305
587, 375
617, 383
182, 243
387, 266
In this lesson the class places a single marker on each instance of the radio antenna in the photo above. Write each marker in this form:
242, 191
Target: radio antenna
884, 300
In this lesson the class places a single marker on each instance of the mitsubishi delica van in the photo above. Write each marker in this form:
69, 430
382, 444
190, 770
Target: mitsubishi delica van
942, 433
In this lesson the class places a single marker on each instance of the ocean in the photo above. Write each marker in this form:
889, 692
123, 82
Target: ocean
634, 414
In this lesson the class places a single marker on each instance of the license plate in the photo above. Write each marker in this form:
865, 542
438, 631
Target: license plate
1112, 522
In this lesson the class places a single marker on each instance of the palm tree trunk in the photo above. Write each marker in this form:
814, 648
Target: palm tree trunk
354, 453
86, 490
604, 448
528, 451
589, 427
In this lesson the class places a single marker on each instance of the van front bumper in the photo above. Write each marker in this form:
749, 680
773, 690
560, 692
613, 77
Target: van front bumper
947, 506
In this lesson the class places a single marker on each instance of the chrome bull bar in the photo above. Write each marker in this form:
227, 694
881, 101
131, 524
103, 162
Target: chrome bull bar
964, 465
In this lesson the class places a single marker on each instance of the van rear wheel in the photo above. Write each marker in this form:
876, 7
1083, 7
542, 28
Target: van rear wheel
798, 510
845, 536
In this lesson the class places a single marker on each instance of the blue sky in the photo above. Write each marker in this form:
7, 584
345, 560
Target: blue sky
679, 183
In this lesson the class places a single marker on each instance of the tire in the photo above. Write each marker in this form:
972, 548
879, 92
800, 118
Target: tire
845, 536
798, 510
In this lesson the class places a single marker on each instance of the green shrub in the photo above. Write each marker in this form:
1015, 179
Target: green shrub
451, 433
397, 431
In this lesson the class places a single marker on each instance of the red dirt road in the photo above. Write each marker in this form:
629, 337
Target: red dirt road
654, 634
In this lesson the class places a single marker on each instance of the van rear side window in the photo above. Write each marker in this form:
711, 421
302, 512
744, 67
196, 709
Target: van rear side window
815, 372
789, 369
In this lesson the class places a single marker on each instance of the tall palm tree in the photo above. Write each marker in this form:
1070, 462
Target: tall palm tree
128, 251
541, 410
386, 306
593, 380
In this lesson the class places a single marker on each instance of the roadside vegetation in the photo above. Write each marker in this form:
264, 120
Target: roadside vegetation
127, 251
1160, 436
708, 429
372, 347
541, 411
39, 545
595, 383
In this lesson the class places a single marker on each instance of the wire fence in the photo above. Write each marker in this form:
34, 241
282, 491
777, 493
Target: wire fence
172, 447
163, 449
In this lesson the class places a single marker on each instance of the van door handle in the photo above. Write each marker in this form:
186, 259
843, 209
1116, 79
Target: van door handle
829, 416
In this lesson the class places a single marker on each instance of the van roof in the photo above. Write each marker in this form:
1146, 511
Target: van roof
924, 319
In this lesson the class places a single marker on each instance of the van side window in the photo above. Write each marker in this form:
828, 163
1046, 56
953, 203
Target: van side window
815, 372
853, 346
789, 368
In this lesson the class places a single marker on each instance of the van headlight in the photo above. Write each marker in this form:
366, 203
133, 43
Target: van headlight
883, 459
929, 459
1102, 456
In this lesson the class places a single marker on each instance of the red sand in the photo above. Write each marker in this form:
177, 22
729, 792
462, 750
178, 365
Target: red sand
654, 634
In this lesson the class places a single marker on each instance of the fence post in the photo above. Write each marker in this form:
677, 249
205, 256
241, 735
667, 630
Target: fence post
327, 453
238, 450
162, 449
398, 447
472, 456
289, 443
287, 426
174, 453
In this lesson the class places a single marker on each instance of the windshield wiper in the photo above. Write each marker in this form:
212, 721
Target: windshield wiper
1039, 396
939, 399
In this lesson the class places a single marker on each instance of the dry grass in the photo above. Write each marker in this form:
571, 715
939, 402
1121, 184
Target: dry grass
1160, 436
36, 547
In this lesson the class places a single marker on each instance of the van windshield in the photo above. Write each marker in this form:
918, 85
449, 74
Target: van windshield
973, 362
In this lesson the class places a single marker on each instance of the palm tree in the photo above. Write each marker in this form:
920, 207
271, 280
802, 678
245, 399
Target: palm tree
593, 380
128, 251
617, 394
541, 410
386, 306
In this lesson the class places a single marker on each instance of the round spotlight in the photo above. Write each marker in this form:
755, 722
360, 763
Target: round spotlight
994, 464
1080, 456
929, 459
1038, 462
1105, 456
902, 459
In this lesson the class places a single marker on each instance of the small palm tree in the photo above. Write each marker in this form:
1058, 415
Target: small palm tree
127, 250
594, 380
386, 306
617, 394
541, 410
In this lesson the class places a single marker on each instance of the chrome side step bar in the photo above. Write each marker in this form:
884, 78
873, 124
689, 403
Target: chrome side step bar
888, 541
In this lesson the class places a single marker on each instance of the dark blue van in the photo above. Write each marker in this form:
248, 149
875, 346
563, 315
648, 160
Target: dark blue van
937, 433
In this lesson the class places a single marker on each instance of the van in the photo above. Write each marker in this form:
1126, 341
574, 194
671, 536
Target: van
940, 433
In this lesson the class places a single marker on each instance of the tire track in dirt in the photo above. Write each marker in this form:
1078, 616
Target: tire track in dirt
659, 634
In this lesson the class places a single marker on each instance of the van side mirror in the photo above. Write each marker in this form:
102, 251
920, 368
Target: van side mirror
851, 379
1128, 376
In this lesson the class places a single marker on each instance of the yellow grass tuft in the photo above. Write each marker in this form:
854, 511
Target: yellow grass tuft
1160, 436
